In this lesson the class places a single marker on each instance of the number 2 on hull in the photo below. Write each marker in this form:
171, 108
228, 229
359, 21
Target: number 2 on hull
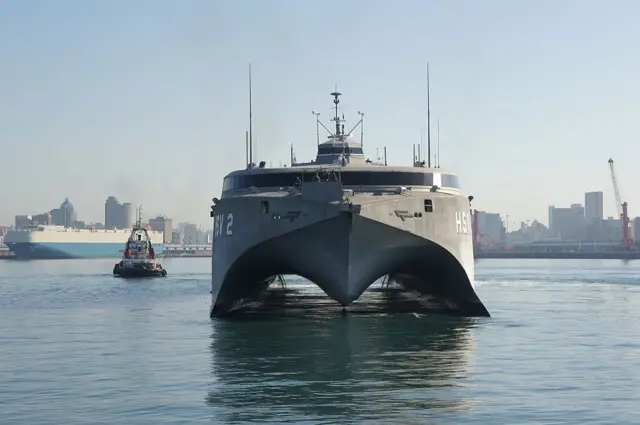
219, 225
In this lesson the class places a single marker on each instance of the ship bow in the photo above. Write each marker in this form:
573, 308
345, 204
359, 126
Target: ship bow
344, 256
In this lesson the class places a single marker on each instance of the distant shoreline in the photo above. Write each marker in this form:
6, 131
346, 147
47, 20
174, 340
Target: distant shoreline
595, 255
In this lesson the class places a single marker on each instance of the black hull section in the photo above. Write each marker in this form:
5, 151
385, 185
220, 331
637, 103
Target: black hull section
344, 256
137, 272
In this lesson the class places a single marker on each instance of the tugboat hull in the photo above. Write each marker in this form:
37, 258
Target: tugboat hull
138, 271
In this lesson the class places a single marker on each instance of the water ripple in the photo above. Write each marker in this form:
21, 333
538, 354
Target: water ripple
78, 346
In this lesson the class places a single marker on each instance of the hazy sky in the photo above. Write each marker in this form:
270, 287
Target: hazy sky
147, 100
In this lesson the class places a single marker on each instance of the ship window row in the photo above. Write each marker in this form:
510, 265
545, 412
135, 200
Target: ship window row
348, 178
338, 150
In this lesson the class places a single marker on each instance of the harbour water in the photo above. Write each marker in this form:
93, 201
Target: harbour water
78, 346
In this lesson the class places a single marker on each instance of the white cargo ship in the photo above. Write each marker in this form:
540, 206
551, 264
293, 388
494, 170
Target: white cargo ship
59, 242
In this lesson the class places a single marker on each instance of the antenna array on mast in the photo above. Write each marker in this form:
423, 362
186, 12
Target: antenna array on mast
340, 133
336, 101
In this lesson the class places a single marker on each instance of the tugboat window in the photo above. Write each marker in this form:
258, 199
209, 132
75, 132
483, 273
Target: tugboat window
264, 207
428, 205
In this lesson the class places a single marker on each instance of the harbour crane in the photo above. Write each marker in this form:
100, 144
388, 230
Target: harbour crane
627, 240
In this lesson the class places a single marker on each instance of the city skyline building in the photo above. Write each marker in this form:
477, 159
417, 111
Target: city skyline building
594, 206
162, 224
117, 215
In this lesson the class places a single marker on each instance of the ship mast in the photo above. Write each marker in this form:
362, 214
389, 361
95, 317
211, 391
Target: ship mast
336, 101
338, 121
139, 216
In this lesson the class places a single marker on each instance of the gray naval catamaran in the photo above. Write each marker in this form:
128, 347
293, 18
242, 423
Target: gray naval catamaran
343, 222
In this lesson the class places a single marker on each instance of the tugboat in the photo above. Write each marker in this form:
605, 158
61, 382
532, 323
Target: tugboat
139, 258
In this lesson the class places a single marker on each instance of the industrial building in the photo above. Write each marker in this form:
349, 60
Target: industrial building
567, 223
117, 215
162, 224
593, 206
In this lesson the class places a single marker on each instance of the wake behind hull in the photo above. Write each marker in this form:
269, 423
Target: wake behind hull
62, 251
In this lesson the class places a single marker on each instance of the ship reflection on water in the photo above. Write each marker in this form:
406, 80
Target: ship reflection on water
316, 365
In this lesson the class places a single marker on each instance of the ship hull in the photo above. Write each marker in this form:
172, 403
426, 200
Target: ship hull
139, 270
65, 250
140, 273
343, 247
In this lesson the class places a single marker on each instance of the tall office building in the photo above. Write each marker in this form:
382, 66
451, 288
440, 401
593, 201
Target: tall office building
65, 215
117, 215
593, 206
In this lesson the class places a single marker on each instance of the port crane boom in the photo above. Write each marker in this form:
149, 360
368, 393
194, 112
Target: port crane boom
623, 213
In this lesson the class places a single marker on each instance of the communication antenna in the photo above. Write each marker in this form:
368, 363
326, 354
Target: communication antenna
246, 149
250, 122
317, 114
421, 139
438, 146
361, 128
255, 144
428, 119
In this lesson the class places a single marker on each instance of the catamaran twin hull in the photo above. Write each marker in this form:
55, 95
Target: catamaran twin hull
344, 244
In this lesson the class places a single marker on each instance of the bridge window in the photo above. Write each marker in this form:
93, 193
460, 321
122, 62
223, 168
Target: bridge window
368, 178
428, 205
227, 183
450, 180
337, 150
349, 178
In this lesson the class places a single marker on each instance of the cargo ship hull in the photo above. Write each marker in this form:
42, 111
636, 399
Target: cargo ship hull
63, 250
55, 242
